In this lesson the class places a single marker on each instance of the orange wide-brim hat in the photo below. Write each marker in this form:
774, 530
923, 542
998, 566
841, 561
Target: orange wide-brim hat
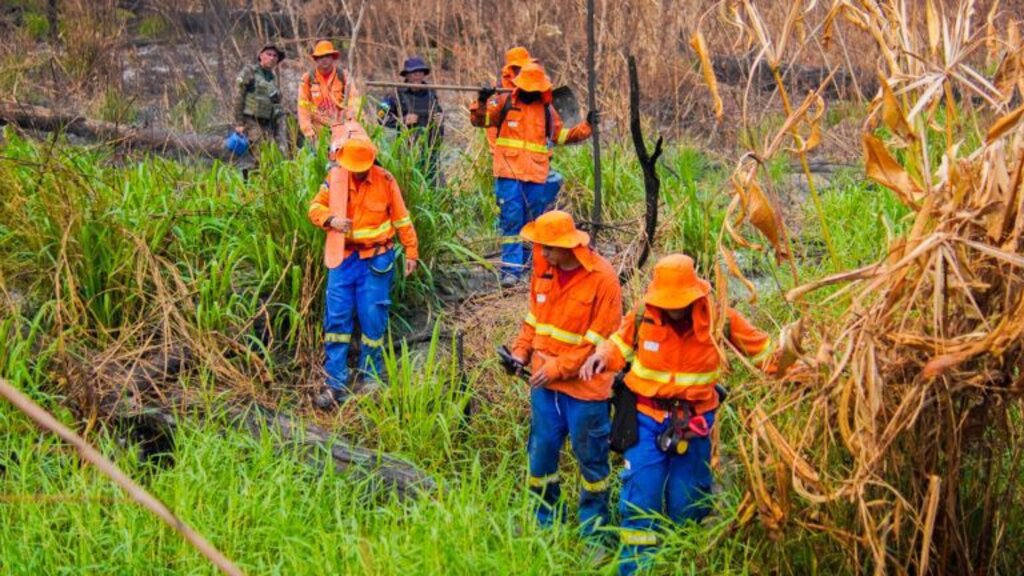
532, 78
555, 229
517, 56
675, 284
324, 48
357, 155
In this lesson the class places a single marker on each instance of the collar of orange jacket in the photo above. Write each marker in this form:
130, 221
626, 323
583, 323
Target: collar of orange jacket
326, 78
368, 179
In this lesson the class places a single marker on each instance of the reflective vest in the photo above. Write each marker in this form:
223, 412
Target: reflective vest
258, 94
669, 364
377, 211
523, 132
565, 323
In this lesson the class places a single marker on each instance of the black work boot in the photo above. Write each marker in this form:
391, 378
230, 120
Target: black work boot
330, 398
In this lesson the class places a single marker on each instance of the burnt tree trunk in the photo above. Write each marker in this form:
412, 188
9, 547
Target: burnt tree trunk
123, 136
648, 163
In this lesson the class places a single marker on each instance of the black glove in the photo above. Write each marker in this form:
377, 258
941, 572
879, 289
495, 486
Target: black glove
592, 116
484, 93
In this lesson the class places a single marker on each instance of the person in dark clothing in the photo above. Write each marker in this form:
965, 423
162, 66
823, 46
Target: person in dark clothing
418, 112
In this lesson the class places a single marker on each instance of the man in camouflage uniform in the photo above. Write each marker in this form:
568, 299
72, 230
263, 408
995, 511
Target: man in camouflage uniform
258, 114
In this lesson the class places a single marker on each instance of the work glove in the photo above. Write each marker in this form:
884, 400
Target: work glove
593, 116
484, 93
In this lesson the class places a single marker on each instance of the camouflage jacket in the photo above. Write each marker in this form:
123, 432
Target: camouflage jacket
257, 94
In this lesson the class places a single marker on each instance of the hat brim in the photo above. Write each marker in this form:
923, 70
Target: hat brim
316, 55
354, 166
425, 70
677, 298
572, 240
528, 87
280, 53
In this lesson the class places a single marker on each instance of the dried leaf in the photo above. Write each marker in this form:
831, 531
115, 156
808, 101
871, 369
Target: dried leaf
883, 168
1004, 124
791, 346
700, 47
892, 113
761, 213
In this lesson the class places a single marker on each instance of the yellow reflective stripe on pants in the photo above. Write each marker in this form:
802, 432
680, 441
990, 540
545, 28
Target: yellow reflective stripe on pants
542, 481
521, 145
372, 342
563, 135
511, 240
598, 486
593, 337
680, 378
336, 338
638, 537
364, 233
625, 349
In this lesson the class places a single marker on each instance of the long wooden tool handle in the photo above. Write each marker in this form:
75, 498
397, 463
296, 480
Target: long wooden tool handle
452, 87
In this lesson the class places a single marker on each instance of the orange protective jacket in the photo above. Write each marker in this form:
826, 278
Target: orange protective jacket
321, 97
376, 209
669, 364
521, 150
566, 323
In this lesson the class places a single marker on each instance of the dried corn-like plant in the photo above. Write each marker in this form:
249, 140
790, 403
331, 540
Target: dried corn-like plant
907, 445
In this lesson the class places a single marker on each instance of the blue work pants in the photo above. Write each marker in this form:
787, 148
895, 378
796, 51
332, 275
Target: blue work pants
521, 202
555, 415
358, 288
655, 482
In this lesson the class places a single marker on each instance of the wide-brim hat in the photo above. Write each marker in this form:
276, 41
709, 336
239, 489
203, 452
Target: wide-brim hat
517, 56
675, 284
555, 229
414, 64
280, 53
357, 155
532, 78
324, 48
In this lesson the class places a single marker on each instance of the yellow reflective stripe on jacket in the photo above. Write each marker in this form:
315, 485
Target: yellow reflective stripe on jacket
593, 337
336, 338
762, 355
563, 135
373, 342
638, 537
598, 486
625, 349
542, 481
531, 319
679, 378
364, 233
559, 334
402, 222
521, 145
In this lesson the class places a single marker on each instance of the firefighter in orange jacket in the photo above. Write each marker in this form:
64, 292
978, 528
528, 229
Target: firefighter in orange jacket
515, 58
673, 372
526, 126
575, 303
327, 95
360, 286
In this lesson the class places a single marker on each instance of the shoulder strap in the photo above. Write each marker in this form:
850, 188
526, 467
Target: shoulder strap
638, 319
548, 123
501, 115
